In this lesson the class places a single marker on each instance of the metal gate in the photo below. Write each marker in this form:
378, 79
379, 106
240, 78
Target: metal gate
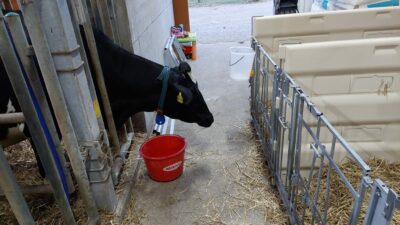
292, 128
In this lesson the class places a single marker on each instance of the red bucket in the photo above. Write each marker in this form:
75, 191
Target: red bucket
163, 156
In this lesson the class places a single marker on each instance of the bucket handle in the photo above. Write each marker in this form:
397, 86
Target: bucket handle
236, 61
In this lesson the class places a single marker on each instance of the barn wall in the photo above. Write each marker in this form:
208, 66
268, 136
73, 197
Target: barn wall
150, 23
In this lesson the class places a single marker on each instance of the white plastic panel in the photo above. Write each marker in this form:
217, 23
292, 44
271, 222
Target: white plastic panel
379, 55
273, 31
356, 84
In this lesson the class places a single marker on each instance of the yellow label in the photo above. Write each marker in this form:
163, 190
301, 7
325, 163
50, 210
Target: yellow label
179, 98
96, 108
252, 73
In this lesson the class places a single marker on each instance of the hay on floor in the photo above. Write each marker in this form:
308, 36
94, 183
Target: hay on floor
341, 200
43, 207
249, 191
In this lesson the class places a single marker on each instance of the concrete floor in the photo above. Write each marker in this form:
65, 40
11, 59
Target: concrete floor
213, 150
226, 23
205, 3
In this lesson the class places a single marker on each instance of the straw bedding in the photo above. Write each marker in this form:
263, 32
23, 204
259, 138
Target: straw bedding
341, 200
249, 191
43, 208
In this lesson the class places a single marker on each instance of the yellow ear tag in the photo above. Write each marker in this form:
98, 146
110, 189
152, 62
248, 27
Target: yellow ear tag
179, 98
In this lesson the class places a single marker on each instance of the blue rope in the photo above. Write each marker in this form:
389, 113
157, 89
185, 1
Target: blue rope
164, 77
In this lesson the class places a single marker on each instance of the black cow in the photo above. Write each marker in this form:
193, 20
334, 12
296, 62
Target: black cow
132, 87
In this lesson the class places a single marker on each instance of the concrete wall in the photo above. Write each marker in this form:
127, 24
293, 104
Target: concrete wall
150, 23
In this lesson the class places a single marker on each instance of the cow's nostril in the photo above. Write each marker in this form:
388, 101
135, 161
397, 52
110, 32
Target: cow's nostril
207, 122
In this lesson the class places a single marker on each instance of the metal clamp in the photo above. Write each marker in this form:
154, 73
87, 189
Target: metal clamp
316, 150
393, 201
295, 179
283, 123
30, 51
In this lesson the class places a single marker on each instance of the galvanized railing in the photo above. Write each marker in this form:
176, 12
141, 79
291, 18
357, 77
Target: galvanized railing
301, 148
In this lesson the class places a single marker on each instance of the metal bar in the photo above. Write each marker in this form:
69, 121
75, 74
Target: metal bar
358, 201
33, 189
328, 183
172, 127
277, 123
382, 204
123, 135
21, 43
178, 49
119, 159
39, 42
122, 25
58, 27
346, 146
105, 18
112, 20
78, 15
26, 100
94, 14
316, 194
253, 79
129, 125
98, 72
132, 176
292, 139
339, 172
13, 193
10, 118
164, 130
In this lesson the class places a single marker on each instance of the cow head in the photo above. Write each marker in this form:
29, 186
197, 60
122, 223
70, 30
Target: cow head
184, 100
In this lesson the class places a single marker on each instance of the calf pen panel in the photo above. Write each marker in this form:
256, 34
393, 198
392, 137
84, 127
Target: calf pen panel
356, 83
303, 151
273, 31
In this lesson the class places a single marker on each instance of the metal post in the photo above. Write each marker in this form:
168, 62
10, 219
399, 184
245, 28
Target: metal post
292, 143
23, 93
21, 42
382, 204
123, 36
104, 13
112, 20
123, 136
122, 27
62, 41
129, 126
93, 13
13, 194
82, 12
77, 13
39, 42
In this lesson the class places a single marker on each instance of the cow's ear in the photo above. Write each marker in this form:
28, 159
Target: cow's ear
184, 67
184, 95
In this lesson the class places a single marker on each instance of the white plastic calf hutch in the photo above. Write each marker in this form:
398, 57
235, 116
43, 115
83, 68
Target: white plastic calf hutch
326, 88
